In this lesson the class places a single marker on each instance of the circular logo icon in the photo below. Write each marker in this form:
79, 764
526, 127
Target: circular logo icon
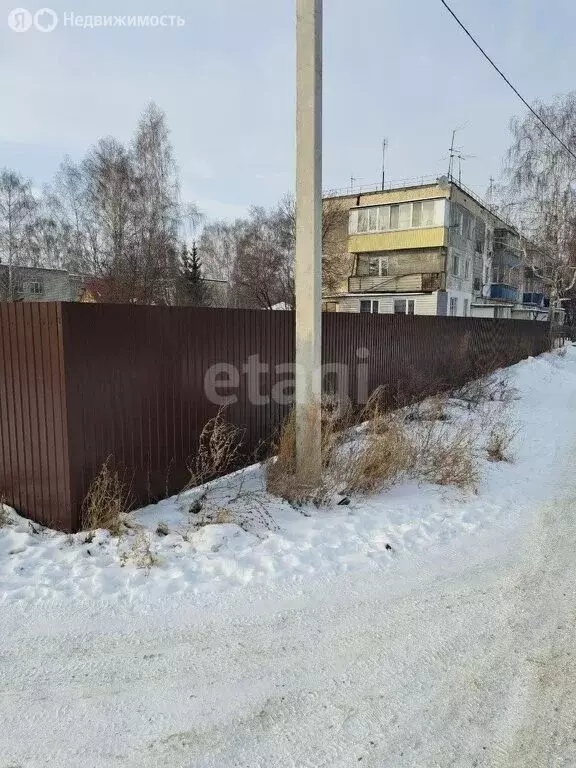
45, 20
19, 20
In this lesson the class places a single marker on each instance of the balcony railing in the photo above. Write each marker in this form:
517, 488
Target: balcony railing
537, 299
502, 292
416, 282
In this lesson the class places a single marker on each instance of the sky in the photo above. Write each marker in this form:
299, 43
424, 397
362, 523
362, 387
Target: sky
399, 69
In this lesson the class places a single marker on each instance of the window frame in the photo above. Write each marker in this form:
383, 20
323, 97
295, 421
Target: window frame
33, 288
455, 265
398, 302
387, 217
373, 306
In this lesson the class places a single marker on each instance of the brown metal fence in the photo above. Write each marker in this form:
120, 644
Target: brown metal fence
83, 382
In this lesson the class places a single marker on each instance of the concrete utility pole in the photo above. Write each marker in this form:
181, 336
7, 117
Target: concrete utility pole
308, 239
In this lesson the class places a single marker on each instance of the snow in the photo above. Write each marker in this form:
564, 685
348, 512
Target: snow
396, 631
274, 542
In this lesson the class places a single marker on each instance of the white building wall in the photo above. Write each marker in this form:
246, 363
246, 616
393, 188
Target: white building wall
461, 297
424, 303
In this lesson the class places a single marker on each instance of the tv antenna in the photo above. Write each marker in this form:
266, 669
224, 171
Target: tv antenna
454, 151
462, 158
384, 148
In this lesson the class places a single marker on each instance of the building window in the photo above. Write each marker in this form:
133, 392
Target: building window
35, 288
467, 225
416, 214
396, 216
466, 307
399, 306
378, 266
453, 306
363, 220
455, 264
405, 216
428, 213
467, 269
372, 219
367, 305
480, 236
384, 218
404, 306
456, 218
330, 306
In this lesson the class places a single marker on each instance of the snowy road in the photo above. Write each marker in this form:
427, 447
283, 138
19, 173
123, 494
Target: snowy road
461, 653
473, 667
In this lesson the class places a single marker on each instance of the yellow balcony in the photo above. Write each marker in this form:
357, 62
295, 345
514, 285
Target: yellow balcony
435, 237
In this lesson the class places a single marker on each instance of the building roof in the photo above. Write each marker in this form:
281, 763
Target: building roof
444, 182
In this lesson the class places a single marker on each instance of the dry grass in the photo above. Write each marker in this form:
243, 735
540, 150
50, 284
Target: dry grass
499, 442
108, 500
162, 529
490, 389
218, 516
415, 442
219, 449
140, 553
445, 455
377, 458
363, 463
4, 512
432, 409
281, 478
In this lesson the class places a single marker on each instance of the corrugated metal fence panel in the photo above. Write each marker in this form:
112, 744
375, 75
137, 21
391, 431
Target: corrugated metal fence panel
84, 382
412, 356
34, 466
136, 386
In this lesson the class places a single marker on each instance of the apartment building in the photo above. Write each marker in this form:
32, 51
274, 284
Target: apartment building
431, 249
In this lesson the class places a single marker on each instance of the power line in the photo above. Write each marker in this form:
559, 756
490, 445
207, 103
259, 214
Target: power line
506, 80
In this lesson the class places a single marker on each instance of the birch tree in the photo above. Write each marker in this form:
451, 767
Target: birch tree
540, 193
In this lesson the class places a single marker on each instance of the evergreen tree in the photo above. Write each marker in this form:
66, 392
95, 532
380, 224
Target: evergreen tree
194, 290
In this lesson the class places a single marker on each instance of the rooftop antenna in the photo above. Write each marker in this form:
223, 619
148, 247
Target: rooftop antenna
384, 147
451, 161
490, 195
454, 151
461, 157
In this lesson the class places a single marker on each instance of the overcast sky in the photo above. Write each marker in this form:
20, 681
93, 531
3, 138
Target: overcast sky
395, 68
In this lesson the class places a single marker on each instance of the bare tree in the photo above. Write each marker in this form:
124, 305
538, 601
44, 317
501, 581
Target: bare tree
17, 205
337, 262
218, 249
539, 193
255, 255
158, 213
117, 215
